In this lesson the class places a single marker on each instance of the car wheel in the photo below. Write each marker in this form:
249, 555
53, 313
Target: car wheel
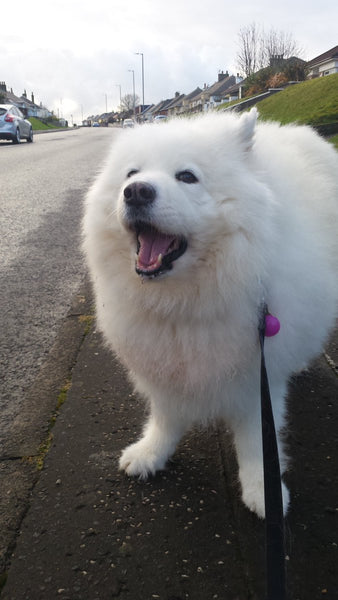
17, 137
30, 137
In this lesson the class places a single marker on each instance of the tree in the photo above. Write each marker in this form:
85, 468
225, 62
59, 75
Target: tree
278, 44
248, 53
128, 102
258, 49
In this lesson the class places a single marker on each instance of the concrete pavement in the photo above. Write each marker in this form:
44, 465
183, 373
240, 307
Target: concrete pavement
91, 532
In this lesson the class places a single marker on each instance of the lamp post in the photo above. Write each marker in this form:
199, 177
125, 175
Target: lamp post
133, 72
118, 85
141, 54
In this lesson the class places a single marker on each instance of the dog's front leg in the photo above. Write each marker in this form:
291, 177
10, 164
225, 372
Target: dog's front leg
158, 442
248, 443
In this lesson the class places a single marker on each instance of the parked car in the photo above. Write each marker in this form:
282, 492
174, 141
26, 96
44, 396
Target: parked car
160, 118
13, 125
128, 123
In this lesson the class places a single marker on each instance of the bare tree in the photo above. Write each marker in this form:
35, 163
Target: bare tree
248, 52
128, 102
258, 49
278, 44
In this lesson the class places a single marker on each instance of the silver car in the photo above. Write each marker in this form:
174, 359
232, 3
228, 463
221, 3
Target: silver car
13, 125
128, 123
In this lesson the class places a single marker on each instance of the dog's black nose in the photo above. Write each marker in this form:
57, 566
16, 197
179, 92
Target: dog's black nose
139, 194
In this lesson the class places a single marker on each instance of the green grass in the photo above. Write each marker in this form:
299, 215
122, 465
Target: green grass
40, 125
334, 140
47, 442
313, 102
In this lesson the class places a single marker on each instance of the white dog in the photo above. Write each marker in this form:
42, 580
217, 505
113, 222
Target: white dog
191, 225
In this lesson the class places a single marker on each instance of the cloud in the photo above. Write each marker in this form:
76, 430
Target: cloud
83, 50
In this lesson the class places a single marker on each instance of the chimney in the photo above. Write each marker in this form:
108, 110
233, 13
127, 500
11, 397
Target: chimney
33, 98
3, 87
24, 95
222, 75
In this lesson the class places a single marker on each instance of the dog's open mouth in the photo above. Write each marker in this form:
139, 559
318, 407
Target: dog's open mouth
156, 251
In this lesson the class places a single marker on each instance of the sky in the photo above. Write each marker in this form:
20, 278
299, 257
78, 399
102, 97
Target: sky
78, 55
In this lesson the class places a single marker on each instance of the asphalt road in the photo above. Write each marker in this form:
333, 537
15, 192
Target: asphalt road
41, 187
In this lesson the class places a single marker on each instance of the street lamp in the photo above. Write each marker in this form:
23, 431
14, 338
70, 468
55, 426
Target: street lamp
141, 54
133, 72
118, 85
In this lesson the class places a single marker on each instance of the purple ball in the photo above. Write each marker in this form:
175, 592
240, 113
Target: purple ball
272, 325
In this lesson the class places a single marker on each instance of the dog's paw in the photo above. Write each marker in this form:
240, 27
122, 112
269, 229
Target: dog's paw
141, 460
253, 497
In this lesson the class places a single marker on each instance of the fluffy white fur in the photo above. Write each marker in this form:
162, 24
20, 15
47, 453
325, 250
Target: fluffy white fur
260, 223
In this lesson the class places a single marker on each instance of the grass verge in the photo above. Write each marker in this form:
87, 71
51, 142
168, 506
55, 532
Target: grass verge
41, 126
334, 140
313, 102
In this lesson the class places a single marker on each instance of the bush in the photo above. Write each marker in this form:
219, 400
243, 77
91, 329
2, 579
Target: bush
277, 80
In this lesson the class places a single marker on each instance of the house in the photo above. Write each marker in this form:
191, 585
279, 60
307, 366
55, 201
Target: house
141, 112
219, 91
212, 96
324, 64
189, 101
235, 92
27, 106
161, 108
176, 105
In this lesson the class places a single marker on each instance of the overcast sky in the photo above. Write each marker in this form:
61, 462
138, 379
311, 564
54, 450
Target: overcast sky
74, 54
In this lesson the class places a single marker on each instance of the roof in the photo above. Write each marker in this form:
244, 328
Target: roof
162, 105
192, 94
220, 86
12, 98
333, 53
177, 101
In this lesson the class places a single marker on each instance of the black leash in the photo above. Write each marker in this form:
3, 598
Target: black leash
274, 521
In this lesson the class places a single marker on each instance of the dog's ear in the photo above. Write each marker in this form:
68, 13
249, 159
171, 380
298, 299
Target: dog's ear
247, 124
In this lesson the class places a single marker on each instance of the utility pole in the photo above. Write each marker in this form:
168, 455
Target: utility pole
118, 85
141, 54
133, 72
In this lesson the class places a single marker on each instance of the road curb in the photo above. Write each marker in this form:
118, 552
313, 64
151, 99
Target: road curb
60, 130
22, 447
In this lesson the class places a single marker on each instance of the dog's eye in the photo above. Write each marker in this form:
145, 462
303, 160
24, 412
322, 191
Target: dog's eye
132, 172
186, 177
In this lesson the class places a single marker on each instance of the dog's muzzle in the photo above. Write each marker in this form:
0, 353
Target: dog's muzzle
156, 250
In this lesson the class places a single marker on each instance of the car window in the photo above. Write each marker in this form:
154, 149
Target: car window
3, 111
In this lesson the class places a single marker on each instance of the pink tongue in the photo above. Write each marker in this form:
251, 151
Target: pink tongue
152, 244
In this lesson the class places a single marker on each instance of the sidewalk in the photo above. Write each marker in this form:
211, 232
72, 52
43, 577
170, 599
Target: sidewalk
91, 532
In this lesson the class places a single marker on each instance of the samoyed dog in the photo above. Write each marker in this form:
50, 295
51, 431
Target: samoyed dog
190, 228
